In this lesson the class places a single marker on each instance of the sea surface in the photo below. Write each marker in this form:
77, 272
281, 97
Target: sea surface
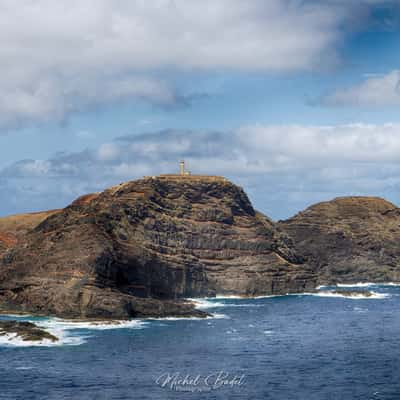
306, 347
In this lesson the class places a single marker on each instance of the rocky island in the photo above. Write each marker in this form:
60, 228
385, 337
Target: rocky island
140, 248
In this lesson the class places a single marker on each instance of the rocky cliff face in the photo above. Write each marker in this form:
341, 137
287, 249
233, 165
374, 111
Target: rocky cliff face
349, 239
137, 248
14, 227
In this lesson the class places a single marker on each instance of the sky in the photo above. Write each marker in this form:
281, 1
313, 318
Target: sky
297, 101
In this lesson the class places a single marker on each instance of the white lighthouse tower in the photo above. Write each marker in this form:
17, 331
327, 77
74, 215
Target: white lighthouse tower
182, 169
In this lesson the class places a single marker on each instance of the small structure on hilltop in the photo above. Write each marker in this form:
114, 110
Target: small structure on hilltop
187, 175
183, 172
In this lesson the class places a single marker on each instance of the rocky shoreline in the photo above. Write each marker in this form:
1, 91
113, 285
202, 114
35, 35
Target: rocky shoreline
140, 248
26, 331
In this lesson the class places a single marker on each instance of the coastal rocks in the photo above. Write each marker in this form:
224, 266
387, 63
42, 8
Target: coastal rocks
139, 248
349, 239
25, 331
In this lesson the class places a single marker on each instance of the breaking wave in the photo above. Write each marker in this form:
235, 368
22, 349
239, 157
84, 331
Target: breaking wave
206, 303
74, 333
359, 284
69, 333
353, 296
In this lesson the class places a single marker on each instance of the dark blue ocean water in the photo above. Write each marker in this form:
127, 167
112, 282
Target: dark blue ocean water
280, 348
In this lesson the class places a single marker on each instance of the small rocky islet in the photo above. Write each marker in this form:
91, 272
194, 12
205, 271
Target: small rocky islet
140, 248
353, 293
26, 331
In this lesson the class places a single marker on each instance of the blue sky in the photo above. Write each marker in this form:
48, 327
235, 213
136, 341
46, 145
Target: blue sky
296, 101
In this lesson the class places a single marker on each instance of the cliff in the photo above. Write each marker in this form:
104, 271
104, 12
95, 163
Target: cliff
14, 227
139, 248
349, 239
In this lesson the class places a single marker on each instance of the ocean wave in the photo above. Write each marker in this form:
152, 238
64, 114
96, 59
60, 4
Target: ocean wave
206, 303
209, 302
64, 330
219, 316
212, 316
69, 332
353, 296
359, 284
267, 296
63, 324
64, 339
233, 297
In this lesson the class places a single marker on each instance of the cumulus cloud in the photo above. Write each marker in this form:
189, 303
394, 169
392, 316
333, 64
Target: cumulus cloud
284, 168
375, 91
61, 56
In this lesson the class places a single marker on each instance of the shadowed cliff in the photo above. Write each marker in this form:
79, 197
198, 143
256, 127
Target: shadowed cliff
137, 248
349, 239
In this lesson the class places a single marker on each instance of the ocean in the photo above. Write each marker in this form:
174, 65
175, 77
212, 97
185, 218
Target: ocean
306, 347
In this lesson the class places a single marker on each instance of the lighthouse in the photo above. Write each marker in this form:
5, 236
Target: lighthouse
182, 170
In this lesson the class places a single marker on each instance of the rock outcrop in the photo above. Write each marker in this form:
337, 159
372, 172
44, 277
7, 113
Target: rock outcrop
26, 331
139, 248
14, 227
349, 239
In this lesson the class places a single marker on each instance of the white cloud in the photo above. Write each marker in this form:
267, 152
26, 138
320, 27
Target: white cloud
375, 91
284, 168
299, 145
57, 57
247, 151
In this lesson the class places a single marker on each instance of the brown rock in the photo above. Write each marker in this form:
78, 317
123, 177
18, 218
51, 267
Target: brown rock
16, 226
349, 239
140, 247
27, 331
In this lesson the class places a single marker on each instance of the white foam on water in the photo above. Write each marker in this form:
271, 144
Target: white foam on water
64, 331
359, 284
212, 316
271, 296
205, 303
222, 297
13, 340
63, 324
346, 285
209, 302
353, 296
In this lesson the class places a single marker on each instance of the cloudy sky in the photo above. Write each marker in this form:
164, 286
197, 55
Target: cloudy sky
295, 100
